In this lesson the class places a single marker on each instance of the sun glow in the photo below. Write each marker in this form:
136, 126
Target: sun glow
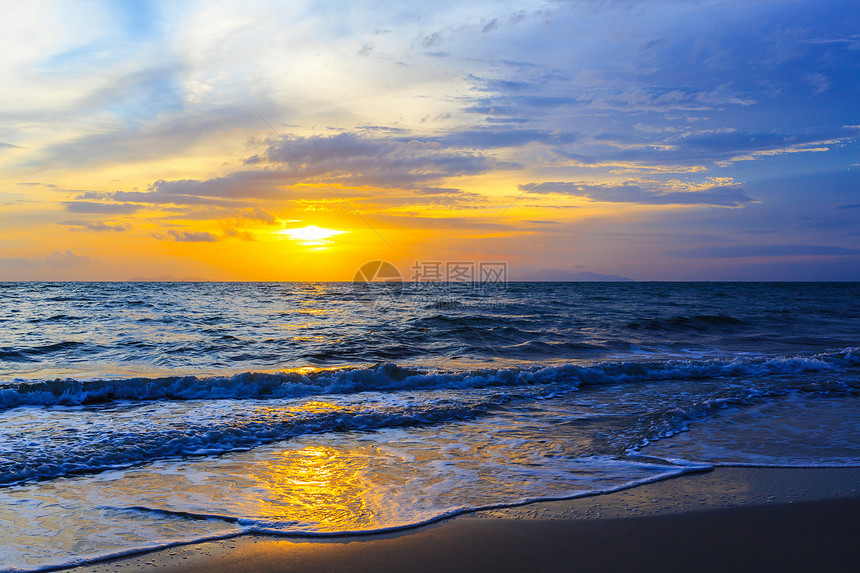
311, 235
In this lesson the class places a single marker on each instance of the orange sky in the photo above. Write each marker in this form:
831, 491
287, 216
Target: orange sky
672, 141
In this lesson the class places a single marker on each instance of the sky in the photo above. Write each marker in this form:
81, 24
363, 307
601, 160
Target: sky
658, 140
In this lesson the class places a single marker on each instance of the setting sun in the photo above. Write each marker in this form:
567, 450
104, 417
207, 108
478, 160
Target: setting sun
311, 235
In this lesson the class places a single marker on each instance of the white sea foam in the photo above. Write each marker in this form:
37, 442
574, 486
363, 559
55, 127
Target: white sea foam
391, 377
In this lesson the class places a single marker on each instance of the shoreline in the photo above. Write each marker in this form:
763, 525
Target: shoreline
730, 518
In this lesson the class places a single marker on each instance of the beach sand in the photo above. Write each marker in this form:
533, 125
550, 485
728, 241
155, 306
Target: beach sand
728, 519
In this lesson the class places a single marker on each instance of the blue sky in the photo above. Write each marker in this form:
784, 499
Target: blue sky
712, 140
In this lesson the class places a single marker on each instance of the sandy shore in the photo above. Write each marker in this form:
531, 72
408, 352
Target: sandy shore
730, 519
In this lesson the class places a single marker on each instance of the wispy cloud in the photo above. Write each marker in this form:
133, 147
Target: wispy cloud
648, 192
103, 208
96, 226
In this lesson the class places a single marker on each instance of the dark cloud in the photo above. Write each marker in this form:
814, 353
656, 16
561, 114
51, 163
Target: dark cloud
645, 193
743, 251
56, 260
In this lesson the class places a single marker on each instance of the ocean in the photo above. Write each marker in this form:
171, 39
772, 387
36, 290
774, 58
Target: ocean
144, 415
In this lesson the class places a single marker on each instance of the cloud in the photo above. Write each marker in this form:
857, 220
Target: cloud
251, 184
37, 184
235, 233
647, 192
688, 63
744, 251
192, 236
381, 128
103, 208
257, 214
431, 40
352, 159
346, 160
658, 148
459, 200
494, 138
92, 226
56, 260
144, 138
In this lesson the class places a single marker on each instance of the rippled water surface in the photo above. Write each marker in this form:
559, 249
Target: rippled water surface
135, 415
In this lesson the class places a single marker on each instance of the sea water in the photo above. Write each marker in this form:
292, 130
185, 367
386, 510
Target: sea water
143, 415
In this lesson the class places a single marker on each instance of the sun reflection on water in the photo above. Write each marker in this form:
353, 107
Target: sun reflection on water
315, 484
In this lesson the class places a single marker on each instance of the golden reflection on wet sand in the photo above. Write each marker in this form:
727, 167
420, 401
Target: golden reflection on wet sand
314, 484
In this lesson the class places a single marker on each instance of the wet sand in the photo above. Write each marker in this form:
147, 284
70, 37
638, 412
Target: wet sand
729, 519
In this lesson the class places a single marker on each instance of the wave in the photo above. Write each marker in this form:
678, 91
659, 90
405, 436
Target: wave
697, 323
146, 420
30, 354
126, 447
391, 377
